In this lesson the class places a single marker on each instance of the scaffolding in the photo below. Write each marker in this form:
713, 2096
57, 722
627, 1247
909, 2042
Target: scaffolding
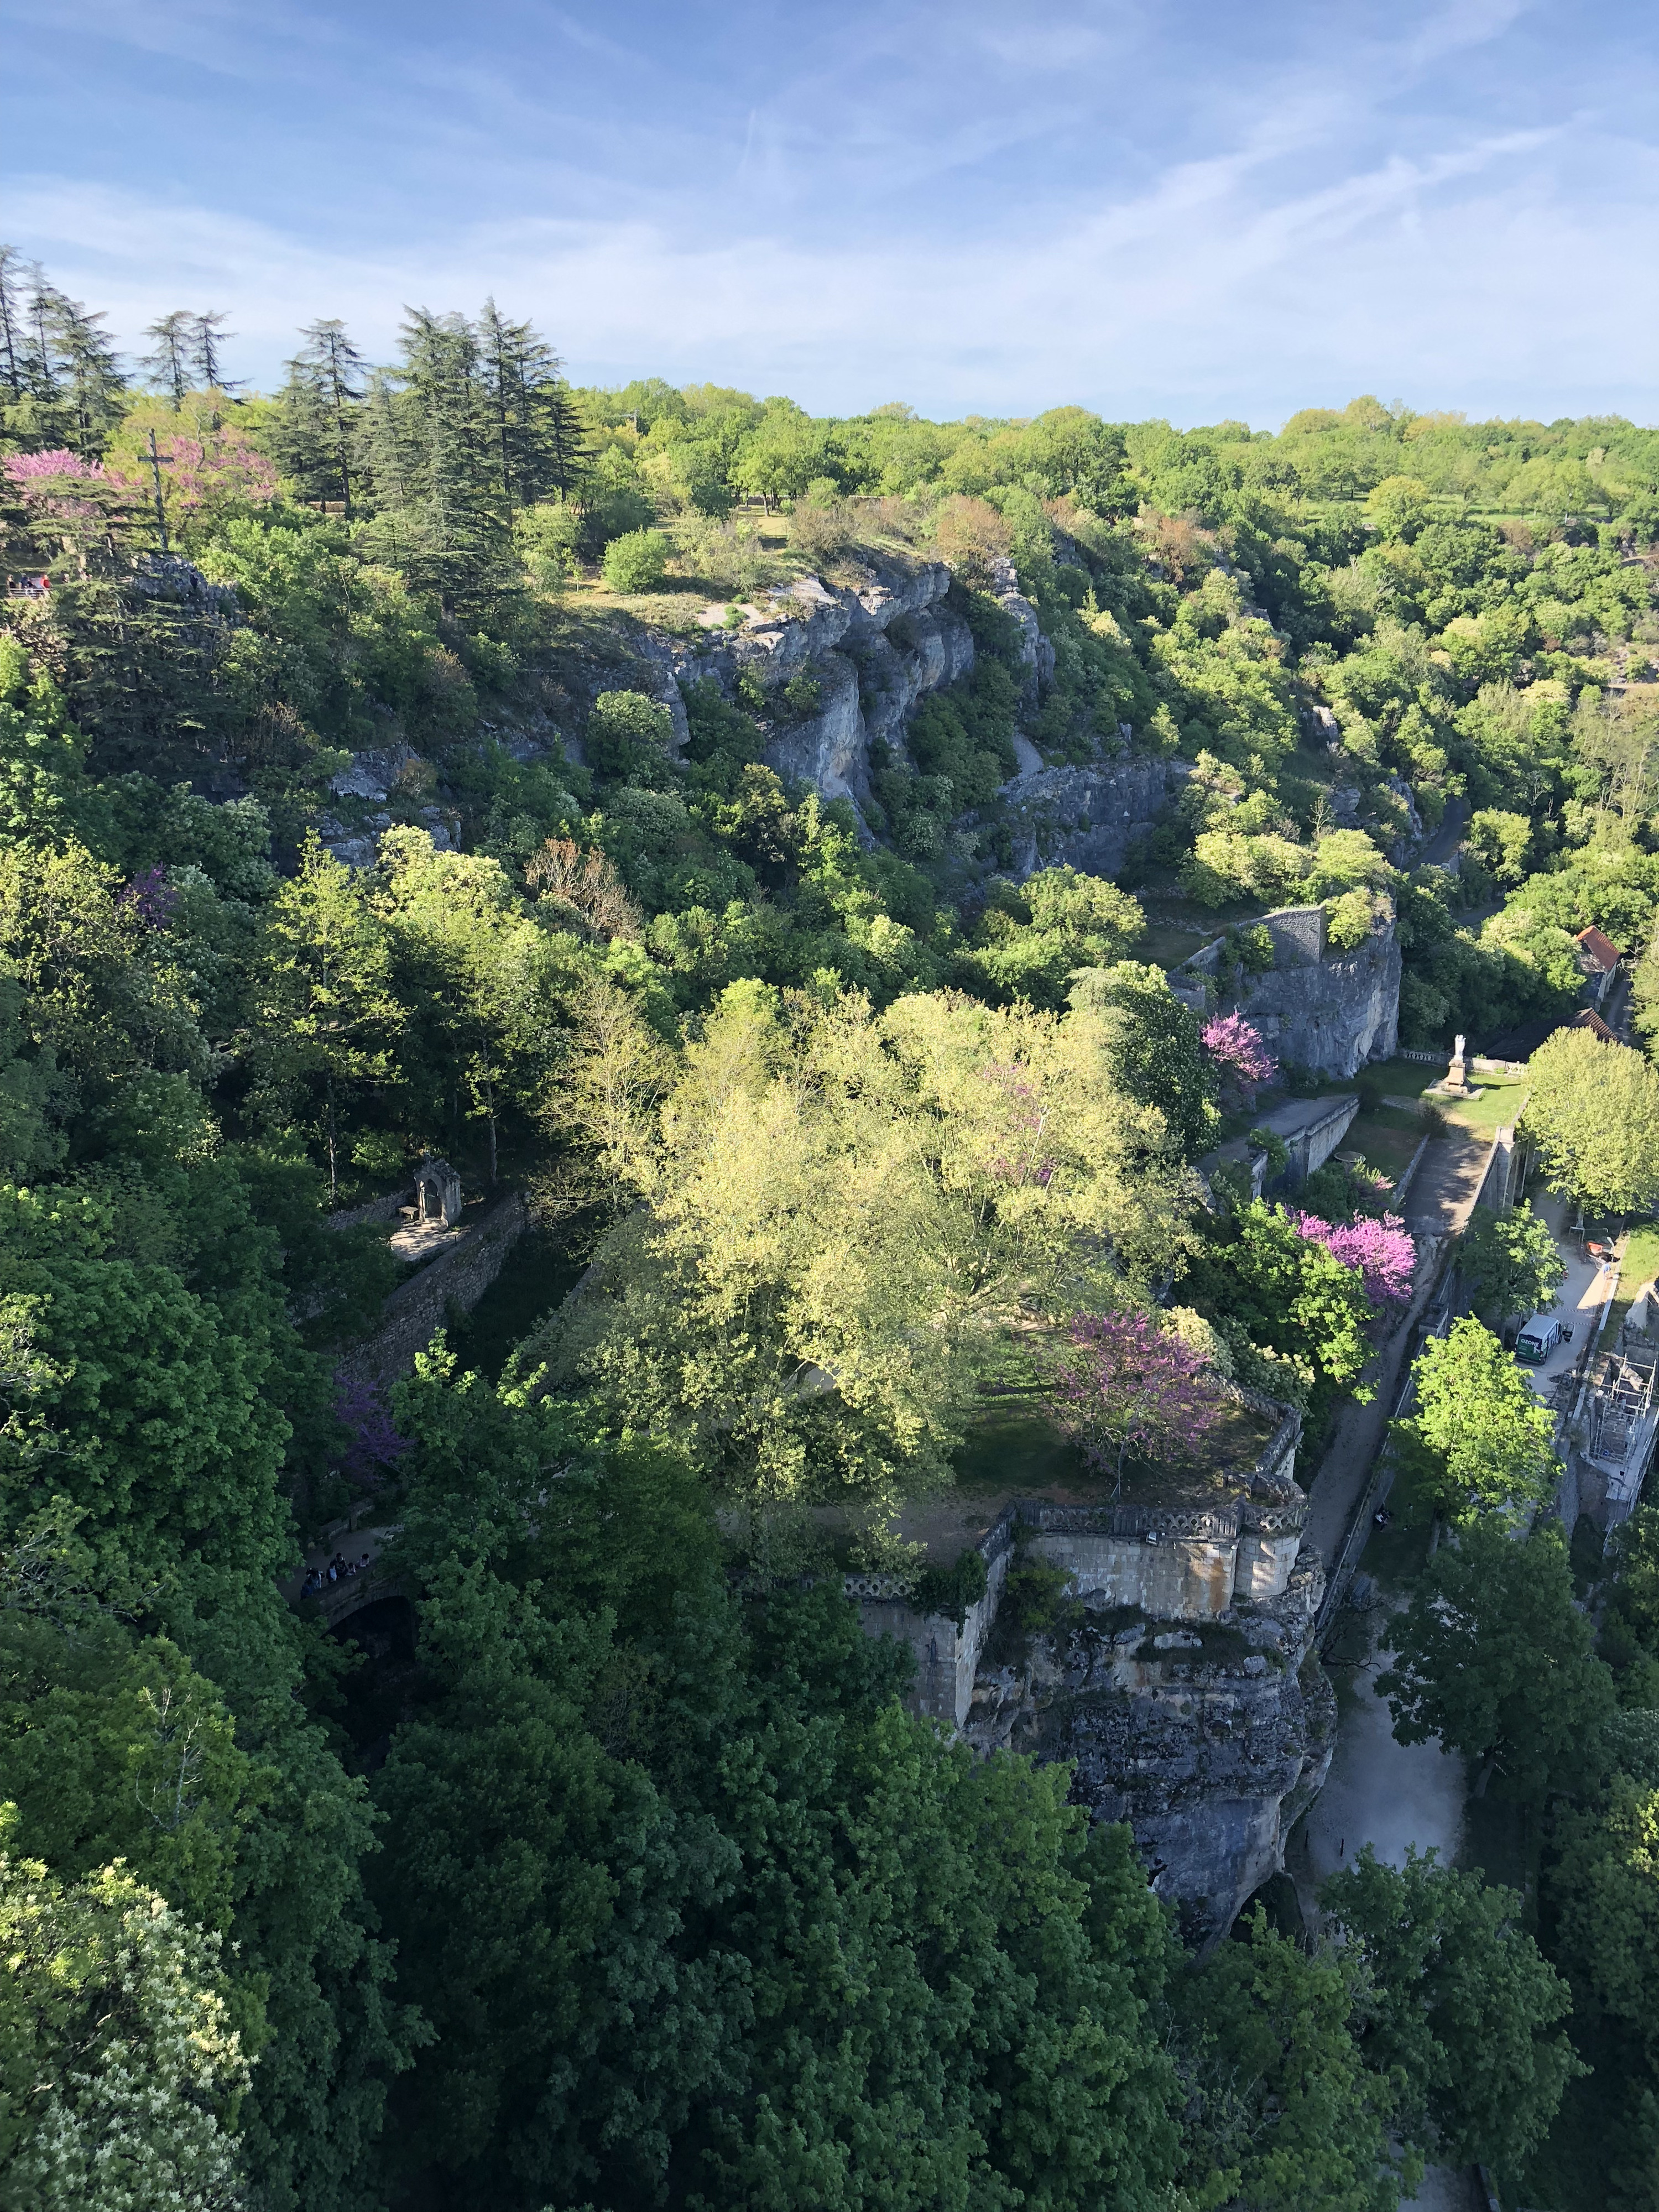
1623, 1420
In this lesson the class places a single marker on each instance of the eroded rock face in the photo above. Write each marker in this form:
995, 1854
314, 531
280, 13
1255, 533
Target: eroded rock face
1331, 1010
1209, 1740
1087, 818
874, 649
1333, 1014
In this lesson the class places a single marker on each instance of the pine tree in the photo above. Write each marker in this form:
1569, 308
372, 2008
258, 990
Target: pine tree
207, 335
300, 440
564, 438
443, 405
383, 459
169, 365
334, 368
13, 328
76, 368
537, 430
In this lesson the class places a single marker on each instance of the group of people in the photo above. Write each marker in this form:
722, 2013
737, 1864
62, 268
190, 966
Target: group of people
338, 1570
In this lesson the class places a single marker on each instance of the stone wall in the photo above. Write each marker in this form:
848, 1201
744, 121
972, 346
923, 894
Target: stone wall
415, 1310
1329, 1011
372, 1213
1177, 1562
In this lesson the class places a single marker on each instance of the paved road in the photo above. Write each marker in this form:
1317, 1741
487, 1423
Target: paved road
1448, 837
1379, 1792
1580, 1302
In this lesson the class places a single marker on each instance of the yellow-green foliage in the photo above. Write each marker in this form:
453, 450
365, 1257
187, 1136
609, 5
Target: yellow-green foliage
839, 1214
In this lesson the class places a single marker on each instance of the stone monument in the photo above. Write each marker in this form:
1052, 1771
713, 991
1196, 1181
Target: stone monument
437, 1192
1455, 1083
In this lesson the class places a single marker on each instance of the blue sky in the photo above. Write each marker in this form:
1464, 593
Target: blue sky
1193, 210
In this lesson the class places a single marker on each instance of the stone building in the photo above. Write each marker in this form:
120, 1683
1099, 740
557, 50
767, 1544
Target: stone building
1328, 1008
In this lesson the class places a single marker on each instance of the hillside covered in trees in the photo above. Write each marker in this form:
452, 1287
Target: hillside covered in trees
361, 798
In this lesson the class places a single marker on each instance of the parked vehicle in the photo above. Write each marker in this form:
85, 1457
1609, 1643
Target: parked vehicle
1539, 1338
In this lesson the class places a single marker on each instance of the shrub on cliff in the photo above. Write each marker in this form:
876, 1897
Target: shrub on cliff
637, 561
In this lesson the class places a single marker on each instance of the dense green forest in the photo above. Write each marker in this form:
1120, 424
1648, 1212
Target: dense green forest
627, 1878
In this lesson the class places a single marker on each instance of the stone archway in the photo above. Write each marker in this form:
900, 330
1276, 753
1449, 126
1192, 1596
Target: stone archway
437, 1192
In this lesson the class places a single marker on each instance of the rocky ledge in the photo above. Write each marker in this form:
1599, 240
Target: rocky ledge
1210, 1739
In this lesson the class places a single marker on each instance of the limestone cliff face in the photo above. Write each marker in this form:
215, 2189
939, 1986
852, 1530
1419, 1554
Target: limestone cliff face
874, 647
1209, 1739
1088, 818
1183, 1686
1331, 1010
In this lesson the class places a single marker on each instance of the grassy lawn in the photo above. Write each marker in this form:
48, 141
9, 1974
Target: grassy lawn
1161, 894
1166, 946
1499, 1104
1385, 1138
1639, 1266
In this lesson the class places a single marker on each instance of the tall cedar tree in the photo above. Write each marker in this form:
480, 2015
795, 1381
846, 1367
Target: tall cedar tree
170, 365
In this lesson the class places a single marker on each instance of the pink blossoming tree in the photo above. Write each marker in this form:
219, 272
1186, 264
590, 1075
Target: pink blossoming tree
27, 468
1125, 1381
1382, 1251
1239, 1052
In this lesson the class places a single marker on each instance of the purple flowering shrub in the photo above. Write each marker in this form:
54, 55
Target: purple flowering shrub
374, 1444
1382, 1251
1239, 1053
1125, 1381
151, 898
23, 468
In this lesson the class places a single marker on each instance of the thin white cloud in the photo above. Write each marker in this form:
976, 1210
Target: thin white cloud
874, 220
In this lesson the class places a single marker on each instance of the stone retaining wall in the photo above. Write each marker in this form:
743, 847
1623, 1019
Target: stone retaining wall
1178, 1562
415, 1312
374, 1212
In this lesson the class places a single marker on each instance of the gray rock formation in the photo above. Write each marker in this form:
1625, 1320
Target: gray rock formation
1209, 1741
1330, 1010
1087, 818
874, 649
1187, 1692
1035, 649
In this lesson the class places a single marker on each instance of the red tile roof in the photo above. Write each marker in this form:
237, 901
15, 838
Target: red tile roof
1589, 1019
1599, 948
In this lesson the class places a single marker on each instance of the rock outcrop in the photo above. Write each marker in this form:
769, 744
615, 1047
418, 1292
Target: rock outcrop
1088, 818
1181, 1681
1210, 1740
1329, 1010
874, 647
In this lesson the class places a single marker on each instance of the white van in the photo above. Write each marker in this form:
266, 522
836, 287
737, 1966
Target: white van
1539, 1338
